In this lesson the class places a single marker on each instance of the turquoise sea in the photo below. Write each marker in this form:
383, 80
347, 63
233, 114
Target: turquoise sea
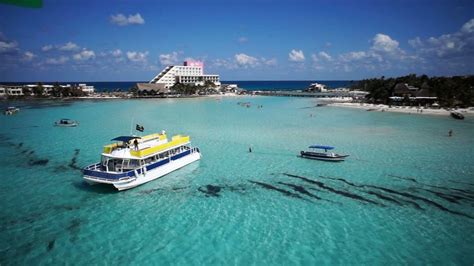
404, 196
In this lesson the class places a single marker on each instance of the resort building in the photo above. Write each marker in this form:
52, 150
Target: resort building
403, 92
317, 87
154, 88
191, 72
15, 91
29, 89
85, 88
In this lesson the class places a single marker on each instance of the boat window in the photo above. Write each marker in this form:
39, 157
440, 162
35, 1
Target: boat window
104, 160
125, 164
114, 165
133, 164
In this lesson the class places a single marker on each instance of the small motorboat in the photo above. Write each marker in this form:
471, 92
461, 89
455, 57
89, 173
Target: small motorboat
66, 123
322, 156
457, 115
11, 110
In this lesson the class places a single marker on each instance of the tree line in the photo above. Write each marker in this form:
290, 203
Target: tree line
451, 91
181, 88
57, 91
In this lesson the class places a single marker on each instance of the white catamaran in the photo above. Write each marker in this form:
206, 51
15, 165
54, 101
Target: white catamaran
132, 161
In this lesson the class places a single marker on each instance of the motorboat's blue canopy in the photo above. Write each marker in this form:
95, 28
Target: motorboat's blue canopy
125, 138
321, 147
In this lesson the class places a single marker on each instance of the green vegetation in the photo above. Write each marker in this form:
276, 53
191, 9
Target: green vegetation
38, 90
57, 92
451, 91
182, 89
185, 89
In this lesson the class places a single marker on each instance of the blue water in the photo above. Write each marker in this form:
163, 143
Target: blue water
320, 213
248, 85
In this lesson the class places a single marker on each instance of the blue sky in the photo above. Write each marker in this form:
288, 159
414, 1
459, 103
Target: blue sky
240, 40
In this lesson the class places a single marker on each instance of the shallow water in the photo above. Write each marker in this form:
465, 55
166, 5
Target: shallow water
405, 195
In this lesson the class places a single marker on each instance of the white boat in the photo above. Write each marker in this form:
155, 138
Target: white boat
66, 123
323, 156
133, 161
11, 110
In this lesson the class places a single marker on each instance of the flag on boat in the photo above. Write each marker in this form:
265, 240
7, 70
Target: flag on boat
139, 128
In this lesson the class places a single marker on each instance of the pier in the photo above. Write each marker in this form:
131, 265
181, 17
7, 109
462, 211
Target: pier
327, 94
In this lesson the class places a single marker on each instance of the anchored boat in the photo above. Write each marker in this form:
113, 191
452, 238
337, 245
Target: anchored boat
133, 160
322, 156
11, 110
457, 115
66, 123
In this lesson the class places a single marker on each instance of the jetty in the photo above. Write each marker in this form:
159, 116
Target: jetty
327, 94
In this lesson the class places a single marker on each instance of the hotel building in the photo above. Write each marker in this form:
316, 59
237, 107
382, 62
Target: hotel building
191, 72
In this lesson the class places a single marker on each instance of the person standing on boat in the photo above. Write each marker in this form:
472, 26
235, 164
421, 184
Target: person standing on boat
135, 143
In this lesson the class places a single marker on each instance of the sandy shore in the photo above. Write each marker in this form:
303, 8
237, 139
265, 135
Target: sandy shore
402, 109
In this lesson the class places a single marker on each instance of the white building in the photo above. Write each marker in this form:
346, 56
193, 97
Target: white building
191, 72
86, 89
18, 90
15, 91
317, 87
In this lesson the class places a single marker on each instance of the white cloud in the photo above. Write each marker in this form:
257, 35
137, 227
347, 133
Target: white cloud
325, 56
69, 46
47, 48
8, 46
454, 45
270, 62
383, 43
123, 20
415, 43
169, 59
321, 60
224, 63
116, 53
57, 61
137, 56
246, 60
354, 56
84, 55
28, 56
468, 27
296, 56
136, 19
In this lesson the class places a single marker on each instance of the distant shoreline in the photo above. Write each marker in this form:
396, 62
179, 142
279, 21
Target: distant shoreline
119, 96
403, 109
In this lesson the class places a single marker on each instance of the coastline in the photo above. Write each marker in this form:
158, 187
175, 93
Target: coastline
402, 109
110, 96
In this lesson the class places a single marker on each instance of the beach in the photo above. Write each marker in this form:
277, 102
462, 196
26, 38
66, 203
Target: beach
403, 109
403, 183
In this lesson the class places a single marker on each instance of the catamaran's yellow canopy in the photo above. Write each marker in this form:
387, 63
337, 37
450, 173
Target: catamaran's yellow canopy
176, 141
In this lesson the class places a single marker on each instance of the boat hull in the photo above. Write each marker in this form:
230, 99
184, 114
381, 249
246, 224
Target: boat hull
323, 157
142, 177
457, 115
159, 172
